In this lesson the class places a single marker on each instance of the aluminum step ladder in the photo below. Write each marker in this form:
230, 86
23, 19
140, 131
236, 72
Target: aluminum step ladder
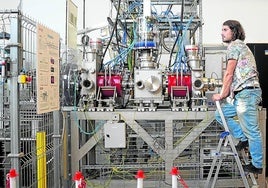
225, 139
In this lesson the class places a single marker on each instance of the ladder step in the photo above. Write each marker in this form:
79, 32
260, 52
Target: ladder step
229, 153
224, 150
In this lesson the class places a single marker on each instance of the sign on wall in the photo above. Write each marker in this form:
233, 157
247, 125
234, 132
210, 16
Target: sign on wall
47, 70
72, 25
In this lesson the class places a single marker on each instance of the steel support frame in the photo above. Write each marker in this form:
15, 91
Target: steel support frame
169, 153
131, 118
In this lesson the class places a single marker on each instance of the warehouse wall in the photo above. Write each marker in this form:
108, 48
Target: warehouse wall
252, 15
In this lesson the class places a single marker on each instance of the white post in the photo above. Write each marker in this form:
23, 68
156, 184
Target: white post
140, 176
78, 177
12, 177
174, 173
174, 181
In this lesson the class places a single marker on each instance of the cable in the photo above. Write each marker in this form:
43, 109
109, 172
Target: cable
180, 33
114, 28
124, 53
181, 39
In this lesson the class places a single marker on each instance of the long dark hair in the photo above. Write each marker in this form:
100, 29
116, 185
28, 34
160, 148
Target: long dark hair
236, 27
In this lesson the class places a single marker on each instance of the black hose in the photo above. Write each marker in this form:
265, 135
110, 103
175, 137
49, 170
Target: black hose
114, 28
180, 34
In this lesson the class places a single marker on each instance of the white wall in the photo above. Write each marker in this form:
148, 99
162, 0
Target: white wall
252, 15
96, 12
9, 4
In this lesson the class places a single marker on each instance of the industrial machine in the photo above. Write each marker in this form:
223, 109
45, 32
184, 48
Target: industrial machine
157, 61
135, 94
141, 96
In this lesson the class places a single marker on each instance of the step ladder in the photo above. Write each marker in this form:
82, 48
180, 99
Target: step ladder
225, 139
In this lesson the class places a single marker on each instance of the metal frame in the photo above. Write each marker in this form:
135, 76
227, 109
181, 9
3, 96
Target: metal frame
168, 153
19, 120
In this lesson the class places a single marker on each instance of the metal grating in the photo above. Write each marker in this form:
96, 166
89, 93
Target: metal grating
30, 123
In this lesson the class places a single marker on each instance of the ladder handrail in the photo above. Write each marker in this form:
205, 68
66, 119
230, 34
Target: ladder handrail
225, 135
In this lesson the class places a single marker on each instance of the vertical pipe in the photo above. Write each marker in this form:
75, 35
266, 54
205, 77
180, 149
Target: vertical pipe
56, 142
15, 66
84, 14
65, 150
146, 8
169, 140
41, 159
84, 26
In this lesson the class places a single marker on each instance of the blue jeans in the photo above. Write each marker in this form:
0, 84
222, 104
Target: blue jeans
245, 107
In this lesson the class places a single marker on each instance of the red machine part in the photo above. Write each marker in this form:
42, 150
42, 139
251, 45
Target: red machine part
113, 80
174, 80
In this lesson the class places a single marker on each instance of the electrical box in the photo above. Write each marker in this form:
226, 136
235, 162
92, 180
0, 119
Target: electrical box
114, 135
